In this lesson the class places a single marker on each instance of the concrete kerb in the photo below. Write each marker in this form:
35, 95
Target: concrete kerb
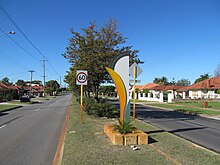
60, 147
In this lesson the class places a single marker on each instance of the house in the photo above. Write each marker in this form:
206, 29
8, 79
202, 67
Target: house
8, 92
163, 93
155, 92
38, 90
206, 89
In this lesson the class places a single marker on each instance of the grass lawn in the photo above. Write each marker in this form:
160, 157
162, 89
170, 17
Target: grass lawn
7, 107
214, 105
187, 109
86, 143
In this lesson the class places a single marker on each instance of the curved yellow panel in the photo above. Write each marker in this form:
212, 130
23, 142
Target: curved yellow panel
121, 91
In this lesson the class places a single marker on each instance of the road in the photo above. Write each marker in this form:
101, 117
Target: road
202, 131
30, 135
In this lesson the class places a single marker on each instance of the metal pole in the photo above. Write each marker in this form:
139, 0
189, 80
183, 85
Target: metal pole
81, 105
44, 74
31, 71
134, 110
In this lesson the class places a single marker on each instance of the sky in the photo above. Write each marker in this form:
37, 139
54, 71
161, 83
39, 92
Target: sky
175, 38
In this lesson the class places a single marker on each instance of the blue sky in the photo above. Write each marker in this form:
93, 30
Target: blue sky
176, 38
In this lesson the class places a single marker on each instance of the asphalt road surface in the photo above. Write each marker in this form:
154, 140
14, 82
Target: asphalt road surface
30, 135
202, 131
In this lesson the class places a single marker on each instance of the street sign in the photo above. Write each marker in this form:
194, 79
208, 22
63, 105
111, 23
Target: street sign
137, 81
81, 77
138, 70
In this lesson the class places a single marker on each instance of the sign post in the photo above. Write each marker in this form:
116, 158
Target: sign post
134, 71
81, 79
134, 101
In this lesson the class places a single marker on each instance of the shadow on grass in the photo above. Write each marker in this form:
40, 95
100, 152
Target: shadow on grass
151, 140
186, 129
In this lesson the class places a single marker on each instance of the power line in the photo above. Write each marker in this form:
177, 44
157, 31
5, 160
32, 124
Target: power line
19, 29
20, 46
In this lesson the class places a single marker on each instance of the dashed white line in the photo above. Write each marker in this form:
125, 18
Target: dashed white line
2, 126
37, 109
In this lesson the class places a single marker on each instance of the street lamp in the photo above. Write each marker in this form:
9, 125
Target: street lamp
10, 32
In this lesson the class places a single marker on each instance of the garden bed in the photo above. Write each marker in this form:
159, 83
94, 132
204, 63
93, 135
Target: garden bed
133, 138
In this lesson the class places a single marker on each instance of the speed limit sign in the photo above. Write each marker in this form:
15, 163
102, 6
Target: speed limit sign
81, 77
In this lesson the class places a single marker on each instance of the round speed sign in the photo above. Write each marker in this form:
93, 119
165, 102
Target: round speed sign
81, 77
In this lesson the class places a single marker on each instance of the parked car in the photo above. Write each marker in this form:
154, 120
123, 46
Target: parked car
25, 98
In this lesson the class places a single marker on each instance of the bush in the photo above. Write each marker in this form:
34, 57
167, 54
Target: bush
87, 104
124, 128
8, 97
101, 109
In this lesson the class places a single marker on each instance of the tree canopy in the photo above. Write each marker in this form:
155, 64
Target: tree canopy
217, 70
202, 77
93, 50
6, 81
183, 82
52, 86
161, 81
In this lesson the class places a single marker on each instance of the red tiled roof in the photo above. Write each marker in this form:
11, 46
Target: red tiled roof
3, 86
211, 83
12, 87
149, 86
166, 87
138, 87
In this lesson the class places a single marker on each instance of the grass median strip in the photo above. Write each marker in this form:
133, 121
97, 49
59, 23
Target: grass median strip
5, 107
86, 143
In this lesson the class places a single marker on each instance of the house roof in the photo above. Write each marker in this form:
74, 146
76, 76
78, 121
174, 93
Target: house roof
166, 87
3, 86
211, 83
148, 86
138, 87
12, 87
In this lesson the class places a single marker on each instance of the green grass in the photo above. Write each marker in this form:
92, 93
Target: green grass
214, 105
187, 109
7, 107
87, 144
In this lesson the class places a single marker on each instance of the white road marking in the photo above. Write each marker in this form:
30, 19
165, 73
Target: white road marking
37, 109
3, 126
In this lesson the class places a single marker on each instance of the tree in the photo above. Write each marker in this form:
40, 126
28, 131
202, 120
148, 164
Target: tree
20, 82
93, 50
202, 77
52, 86
5, 80
37, 82
108, 89
217, 70
161, 81
183, 82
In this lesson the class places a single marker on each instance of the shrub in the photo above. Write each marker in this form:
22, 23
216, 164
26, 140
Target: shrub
8, 97
124, 128
101, 109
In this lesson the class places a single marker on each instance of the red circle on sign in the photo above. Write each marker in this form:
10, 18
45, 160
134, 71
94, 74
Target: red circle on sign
81, 77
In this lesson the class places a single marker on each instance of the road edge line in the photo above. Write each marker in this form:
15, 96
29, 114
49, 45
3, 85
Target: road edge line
60, 147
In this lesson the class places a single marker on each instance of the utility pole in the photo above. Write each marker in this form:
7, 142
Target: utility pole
31, 71
44, 73
60, 81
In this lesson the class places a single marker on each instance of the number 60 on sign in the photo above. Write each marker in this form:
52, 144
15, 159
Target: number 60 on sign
81, 77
